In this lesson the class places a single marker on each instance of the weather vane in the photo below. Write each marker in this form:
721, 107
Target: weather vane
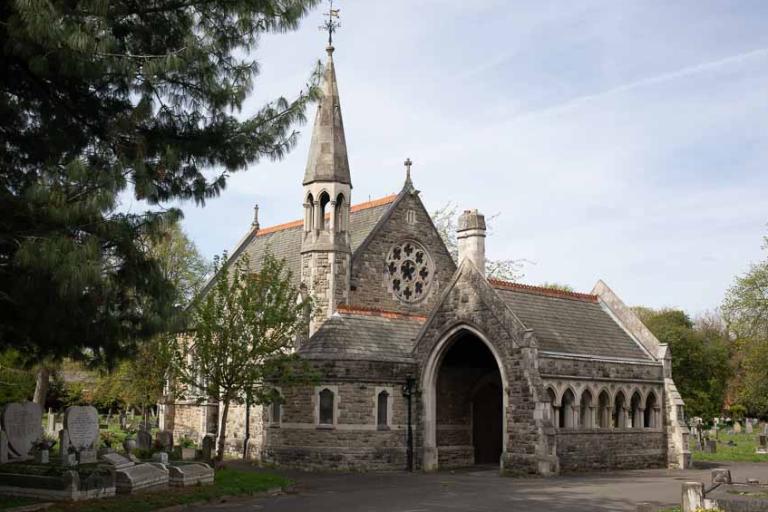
331, 24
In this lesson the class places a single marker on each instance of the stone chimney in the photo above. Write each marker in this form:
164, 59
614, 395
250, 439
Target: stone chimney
471, 237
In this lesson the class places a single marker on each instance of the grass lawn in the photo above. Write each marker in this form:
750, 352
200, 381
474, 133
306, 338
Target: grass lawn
228, 482
744, 451
7, 502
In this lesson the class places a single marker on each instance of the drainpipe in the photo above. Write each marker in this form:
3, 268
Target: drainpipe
408, 394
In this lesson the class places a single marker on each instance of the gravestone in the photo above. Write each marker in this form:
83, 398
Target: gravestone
51, 424
64, 447
195, 473
116, 461
143, 439
711, 446
164, 440
3, 447
721, 476
141, 477
23, 424
82, 425
737, 427
160, 457
762, 446
749, 427
207, 447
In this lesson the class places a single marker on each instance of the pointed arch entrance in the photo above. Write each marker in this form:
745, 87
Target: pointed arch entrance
464, 401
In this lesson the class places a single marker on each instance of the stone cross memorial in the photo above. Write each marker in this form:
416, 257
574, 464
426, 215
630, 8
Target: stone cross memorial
22, 422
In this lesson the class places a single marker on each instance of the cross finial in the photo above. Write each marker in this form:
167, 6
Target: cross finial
330, 24
408, 165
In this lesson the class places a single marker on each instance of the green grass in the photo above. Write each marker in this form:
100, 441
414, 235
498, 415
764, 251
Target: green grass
228, 482
12, 501
744, 451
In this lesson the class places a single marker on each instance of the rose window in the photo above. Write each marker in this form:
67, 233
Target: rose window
409, 270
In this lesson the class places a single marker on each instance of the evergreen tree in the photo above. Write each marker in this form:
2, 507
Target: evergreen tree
99, 99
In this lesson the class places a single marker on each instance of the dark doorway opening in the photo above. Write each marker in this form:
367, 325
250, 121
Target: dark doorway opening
469, 405
486, 423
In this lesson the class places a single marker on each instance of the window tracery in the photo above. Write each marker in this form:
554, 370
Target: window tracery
409, 270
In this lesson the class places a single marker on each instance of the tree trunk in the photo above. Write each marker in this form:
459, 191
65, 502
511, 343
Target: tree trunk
41, 386
223, 431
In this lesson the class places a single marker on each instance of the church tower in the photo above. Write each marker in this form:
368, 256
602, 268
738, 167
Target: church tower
325, 248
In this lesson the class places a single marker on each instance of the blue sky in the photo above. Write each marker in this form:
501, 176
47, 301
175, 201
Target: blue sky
617, 140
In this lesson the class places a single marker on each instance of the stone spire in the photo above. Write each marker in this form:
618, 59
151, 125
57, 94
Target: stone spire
327, 160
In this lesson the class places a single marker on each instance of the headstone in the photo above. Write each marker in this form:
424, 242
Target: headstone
762, 446
207, 447
51, 418
195, 473
116, 461
82, 424
141, 477
41, 457
63, 445
69, 459
765, 429
737, 427
143, 439
160, 457
88, 456
721, 476
123, 420
749, 427
711, 446
164, 439
23, 424
693, 496
3, 447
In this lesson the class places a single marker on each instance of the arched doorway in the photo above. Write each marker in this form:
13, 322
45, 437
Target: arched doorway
464, 402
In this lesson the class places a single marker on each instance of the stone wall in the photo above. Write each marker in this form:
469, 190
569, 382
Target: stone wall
593, 450
368, 279
354, 441
236, 431
595, 370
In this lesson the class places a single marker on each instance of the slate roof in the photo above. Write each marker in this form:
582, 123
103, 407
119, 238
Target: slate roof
284, 240
366, 336
571, 323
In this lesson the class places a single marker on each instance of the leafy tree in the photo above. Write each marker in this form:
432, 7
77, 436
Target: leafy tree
16, 382
101, 99
242, 338
700, 359
745, 309
445, 222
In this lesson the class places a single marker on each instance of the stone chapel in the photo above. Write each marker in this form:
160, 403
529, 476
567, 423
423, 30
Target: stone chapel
429, 364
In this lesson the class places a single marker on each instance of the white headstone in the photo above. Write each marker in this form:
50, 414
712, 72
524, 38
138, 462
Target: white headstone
82, 424
23, 424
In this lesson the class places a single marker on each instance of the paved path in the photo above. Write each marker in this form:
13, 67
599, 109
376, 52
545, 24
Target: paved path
483, 490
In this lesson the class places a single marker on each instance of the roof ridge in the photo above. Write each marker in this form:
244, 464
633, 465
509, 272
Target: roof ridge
362, 310
353, 209
541, 290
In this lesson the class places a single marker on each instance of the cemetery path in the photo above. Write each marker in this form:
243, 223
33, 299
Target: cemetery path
482, 489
